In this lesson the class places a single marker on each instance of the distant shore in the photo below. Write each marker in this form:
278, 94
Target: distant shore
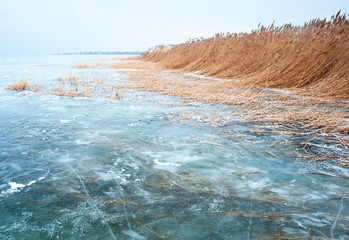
102, 53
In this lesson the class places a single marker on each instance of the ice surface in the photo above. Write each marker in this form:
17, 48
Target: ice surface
140, 168
133, 235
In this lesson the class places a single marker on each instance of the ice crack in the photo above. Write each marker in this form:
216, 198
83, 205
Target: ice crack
335, 221
92, 203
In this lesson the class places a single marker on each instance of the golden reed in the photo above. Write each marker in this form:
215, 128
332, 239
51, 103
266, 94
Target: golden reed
312, 59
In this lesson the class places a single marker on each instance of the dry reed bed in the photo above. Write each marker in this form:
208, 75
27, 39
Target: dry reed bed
131, 64
312, 59
89, 65
73, 86
22, 85
256, 104
90, 86
118, 63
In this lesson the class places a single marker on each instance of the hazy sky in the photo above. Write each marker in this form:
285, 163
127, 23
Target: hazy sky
49, 26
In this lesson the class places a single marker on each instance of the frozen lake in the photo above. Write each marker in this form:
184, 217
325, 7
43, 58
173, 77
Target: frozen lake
152, 167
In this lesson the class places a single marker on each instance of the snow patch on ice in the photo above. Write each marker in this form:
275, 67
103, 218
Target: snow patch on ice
165, 165
64, 121
15, 187
110, 176
81, 142
65, 159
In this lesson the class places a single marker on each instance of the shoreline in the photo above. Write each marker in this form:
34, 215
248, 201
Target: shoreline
287, 112
304, 114
181, 84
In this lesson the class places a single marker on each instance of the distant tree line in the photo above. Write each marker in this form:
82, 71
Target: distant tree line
103, 53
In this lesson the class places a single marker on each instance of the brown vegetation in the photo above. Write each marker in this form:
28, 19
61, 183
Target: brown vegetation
312, 59
254, 104
21, 85
129, 64
73, 86
88, 65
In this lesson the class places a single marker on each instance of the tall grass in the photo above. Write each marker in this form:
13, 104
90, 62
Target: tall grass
312, 59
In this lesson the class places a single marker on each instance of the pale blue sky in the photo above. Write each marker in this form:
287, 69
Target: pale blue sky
49, 26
